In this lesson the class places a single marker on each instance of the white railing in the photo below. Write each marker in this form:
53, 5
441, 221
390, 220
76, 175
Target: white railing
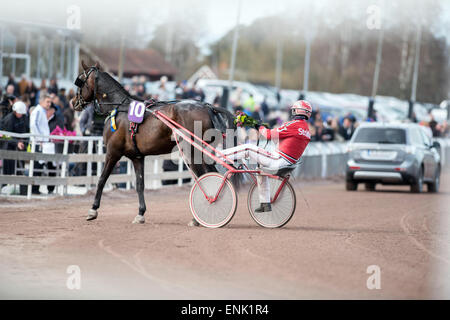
154, 174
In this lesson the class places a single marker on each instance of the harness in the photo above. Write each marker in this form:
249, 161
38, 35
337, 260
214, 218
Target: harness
80, 83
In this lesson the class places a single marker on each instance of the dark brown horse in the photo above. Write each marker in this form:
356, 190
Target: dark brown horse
153, 137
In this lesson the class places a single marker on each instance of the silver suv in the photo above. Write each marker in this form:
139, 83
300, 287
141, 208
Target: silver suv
400, 154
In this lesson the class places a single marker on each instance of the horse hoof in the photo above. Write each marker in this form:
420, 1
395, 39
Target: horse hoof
193, 223
139, 219
92, 215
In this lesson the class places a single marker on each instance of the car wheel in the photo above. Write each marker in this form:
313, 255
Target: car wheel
351, 186
434, 186
370, 186
417, 186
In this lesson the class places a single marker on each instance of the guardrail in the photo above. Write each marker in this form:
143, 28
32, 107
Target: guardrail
320, 160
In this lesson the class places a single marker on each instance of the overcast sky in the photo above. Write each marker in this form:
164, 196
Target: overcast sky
219, 16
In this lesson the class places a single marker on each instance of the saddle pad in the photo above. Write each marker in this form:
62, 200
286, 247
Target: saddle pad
136, 111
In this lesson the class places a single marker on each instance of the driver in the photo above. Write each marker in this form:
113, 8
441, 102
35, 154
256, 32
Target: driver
293, 137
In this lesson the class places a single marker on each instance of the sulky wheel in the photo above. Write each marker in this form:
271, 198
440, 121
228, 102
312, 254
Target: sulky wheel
218, 213
282, 209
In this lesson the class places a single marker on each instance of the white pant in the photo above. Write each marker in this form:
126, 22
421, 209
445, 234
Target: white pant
264, 158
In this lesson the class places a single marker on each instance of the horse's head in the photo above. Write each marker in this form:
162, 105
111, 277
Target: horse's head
87, 86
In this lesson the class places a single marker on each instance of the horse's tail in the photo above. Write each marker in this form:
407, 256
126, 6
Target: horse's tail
223, 121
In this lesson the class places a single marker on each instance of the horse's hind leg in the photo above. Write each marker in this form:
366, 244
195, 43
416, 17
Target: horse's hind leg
110, 162
139, 170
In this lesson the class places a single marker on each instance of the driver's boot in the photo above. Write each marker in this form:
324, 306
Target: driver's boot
265, 207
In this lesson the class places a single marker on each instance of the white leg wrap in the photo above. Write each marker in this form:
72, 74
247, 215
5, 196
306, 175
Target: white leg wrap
139, 219
92, 214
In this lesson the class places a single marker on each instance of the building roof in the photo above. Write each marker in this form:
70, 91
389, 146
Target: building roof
137, 61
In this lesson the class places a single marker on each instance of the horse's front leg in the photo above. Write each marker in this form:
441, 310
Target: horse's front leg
110, 162
139, 170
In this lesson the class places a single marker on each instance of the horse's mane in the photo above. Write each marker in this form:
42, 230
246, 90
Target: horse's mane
116, 84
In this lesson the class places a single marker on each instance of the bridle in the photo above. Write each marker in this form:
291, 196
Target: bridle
97, 104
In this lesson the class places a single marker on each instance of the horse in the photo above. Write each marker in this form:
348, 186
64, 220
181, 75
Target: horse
153, 136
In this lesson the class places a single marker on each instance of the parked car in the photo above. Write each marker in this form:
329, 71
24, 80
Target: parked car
401, 154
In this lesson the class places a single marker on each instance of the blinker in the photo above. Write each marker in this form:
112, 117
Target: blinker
79, 83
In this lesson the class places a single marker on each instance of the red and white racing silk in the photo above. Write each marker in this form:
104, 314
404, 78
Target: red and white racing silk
293, 138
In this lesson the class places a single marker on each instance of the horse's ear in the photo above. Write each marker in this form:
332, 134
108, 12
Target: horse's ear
85, 67
97, 65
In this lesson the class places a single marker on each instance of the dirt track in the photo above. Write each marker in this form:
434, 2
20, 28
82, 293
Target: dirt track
323, 252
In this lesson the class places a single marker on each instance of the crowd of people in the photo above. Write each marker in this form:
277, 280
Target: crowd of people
25, 108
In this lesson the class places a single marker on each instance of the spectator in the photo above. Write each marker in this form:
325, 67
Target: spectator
236, 99
42, 88
347, 128
53, 122
374, 117
23, 84
63, 98
25, 99
217, 98
265, 108
52, 118
434, 126
313, 132
186, 92
69, 117
163, 94
328, 130
199, 94
87, 120
53, 87
71, 94
318, 125
56, 103
11, 81
140, 92
10, 90
17, 122
179, 91
39, 126
249, 105
315, 116
7, 102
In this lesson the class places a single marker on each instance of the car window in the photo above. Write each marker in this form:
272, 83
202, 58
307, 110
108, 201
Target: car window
381, 135
416, 137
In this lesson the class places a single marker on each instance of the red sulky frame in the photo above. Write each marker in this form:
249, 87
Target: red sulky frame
188, 136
